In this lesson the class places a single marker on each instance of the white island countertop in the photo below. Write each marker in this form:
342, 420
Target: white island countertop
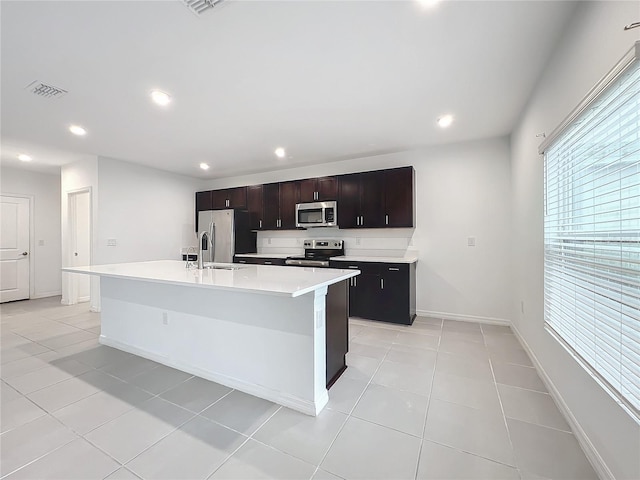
263, 279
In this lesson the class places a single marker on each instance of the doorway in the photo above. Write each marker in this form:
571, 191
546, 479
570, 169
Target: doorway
79, 253
14, 248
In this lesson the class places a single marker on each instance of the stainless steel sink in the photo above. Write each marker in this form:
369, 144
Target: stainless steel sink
222, 267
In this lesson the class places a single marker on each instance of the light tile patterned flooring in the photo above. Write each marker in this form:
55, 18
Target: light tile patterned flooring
439, 399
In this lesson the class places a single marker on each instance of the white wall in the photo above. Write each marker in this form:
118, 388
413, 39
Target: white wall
150, 213
462, 190
44, 191
592, 45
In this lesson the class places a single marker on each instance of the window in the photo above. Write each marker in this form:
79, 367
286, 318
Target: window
592, 232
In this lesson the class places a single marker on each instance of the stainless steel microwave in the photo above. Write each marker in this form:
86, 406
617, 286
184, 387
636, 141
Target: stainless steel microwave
317, 214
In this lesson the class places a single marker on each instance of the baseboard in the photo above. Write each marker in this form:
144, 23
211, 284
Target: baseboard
295, 403
57, 293
590, 451
464, 318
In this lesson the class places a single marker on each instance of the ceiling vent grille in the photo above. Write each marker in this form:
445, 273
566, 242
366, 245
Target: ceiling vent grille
200, 6
46, 91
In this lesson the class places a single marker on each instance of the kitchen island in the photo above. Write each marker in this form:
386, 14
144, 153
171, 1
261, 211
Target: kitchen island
259, 329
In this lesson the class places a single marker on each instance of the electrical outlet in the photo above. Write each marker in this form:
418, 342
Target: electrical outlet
165, 318
111, 242
41, 243
357, 240
268, 241
471, 241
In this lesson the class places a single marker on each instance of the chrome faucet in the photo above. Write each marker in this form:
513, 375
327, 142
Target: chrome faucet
204, 236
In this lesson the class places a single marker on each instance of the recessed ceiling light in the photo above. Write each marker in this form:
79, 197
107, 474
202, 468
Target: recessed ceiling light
280, 153
204, 166
445, 120
23, 157
77, 130
428, 3
160, 97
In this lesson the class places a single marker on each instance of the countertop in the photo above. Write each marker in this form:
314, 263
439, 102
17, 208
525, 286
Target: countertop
409, 257
262, 279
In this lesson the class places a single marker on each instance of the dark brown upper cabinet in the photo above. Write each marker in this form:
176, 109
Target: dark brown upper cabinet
279, 205
229, 198
399, 204
289, 196
361, 200
376, 199
318, 189
381, 198
271, 206
255, 206
203, 201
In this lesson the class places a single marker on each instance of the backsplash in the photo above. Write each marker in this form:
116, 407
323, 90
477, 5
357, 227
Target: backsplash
366, 242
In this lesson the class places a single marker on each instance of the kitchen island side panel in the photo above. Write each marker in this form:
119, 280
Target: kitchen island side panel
269, 346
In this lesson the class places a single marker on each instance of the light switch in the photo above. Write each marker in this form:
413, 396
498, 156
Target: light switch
111, 242
471, 241
41, 243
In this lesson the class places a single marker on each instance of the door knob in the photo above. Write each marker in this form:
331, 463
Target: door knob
76, 254
25, 254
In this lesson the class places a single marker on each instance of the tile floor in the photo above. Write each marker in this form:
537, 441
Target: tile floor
439, 399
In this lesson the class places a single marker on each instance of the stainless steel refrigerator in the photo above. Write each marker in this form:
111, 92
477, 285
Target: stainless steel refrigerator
229, 233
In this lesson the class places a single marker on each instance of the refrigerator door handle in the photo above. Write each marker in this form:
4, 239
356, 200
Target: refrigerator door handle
212, 241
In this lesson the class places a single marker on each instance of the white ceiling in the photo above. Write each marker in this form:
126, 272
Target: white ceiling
327, 80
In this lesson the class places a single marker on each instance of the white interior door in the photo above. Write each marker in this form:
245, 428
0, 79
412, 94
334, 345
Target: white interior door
80, 212
14, 248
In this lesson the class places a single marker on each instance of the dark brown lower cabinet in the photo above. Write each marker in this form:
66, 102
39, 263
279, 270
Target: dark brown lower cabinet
337, 330
383, 291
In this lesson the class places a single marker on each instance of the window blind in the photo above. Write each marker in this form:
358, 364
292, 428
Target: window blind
592, 235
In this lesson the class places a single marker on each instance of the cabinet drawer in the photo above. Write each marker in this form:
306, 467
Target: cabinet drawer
364, 267
391, 268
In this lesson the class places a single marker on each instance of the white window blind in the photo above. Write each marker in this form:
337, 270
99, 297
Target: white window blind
592, 235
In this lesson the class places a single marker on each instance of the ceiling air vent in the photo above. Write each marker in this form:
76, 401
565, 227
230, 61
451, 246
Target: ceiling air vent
200, 6
46, 91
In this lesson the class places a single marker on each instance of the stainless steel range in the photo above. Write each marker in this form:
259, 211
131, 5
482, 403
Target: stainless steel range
317, 253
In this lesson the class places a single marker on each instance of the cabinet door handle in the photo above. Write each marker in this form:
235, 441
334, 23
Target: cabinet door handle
260, 223
392, 269
353, 266
386, 219
355, 281
361, 220
382, 283
268, 263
